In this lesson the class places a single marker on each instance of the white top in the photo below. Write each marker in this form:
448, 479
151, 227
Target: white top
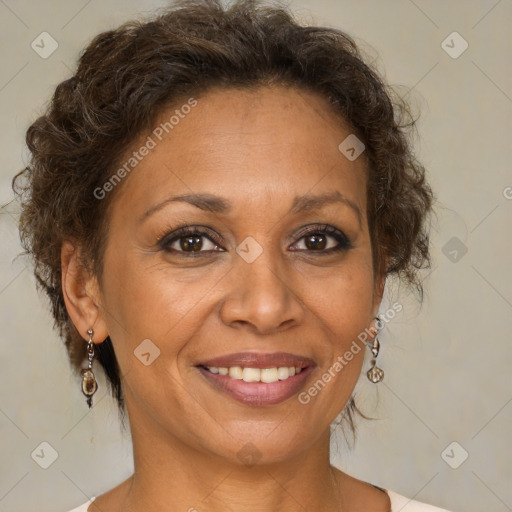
399, 503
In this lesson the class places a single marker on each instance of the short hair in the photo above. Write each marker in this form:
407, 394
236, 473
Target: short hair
124, 79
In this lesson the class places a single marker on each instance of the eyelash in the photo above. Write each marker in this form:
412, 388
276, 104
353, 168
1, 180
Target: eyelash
319, 229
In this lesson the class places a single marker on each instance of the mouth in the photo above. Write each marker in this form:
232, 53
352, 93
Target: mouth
248, 374
257, 379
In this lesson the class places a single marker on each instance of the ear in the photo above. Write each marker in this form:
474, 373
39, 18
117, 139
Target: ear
81, 294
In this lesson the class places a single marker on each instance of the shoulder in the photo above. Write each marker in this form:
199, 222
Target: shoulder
84, 507
403, 504
363, 496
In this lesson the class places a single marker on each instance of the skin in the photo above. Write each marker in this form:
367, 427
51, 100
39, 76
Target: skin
257, 150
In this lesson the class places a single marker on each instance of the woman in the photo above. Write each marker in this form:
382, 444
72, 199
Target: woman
213, 204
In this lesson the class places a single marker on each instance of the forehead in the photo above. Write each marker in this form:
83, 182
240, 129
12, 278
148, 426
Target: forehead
254, 147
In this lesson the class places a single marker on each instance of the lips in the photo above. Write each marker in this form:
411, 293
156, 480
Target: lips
238, 376
257, 393
259, 360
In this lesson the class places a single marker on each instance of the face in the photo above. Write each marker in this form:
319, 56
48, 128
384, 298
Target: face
276, 257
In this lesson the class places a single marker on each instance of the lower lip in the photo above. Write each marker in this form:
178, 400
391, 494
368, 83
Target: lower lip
257, 393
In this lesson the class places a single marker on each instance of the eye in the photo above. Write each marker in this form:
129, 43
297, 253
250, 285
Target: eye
190, 241
323, 239
195, 241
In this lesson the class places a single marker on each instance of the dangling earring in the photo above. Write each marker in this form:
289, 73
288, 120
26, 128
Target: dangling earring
375, 374
89, 384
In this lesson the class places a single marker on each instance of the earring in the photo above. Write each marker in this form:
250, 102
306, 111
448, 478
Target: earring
89, 384
375, 374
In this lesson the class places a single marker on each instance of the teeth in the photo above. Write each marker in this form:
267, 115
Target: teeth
251, 374
270, 375
266, 375
283, 372
235, 372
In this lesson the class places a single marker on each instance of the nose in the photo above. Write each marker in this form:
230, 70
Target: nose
261, 297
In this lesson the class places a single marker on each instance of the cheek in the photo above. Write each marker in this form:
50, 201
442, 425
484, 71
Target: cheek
344, 303
152, 302
157, 302
342, 296
168, 305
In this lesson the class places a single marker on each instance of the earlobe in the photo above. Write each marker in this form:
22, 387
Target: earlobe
81, 294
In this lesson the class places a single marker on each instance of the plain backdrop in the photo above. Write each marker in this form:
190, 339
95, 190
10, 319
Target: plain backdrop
444, 408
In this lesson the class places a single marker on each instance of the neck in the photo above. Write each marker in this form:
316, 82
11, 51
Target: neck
171, 475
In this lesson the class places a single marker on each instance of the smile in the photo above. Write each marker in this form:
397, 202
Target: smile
267, 375
256, 386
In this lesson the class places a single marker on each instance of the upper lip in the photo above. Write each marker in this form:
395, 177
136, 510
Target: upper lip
259, 360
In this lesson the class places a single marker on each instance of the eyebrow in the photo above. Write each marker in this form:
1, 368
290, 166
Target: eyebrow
216, 204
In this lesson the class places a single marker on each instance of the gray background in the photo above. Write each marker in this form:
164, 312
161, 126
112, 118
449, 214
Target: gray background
447, 364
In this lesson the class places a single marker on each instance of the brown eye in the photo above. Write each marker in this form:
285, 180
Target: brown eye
316, 242
191, 243
322, 239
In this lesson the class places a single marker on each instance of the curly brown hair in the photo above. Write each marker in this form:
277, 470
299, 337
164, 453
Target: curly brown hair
127, 76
